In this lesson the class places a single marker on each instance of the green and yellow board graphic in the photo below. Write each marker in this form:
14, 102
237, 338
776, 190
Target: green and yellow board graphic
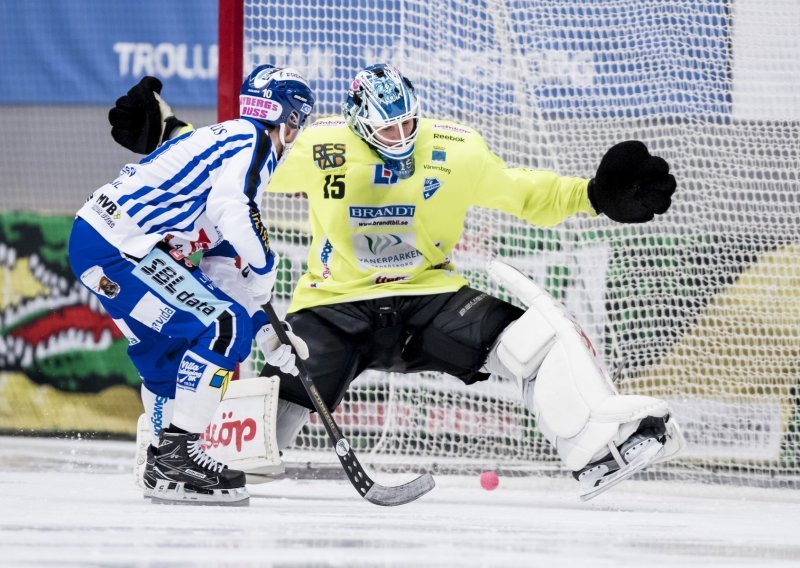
63, 363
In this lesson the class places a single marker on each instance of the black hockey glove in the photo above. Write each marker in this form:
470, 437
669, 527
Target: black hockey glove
631, 186
141, 120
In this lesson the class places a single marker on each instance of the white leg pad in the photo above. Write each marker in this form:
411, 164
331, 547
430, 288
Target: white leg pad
573, 399
524, 345
242, 432
579, 423
144, 435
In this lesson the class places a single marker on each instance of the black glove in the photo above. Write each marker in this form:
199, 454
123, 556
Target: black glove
630, 185
137, 119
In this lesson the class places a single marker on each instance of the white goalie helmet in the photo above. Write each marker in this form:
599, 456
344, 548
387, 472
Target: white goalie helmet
382, 109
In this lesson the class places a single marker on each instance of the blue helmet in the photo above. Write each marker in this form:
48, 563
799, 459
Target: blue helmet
276, 96
381, 99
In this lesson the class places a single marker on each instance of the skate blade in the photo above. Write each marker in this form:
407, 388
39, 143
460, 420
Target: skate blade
648, 456
174, 493
256, 479
263, 474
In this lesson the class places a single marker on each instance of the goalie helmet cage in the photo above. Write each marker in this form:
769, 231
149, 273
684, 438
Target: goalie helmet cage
700, 307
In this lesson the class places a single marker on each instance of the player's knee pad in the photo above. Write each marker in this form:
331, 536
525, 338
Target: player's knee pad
574, 401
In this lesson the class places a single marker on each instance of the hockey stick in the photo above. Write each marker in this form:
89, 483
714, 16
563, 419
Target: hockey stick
367, 488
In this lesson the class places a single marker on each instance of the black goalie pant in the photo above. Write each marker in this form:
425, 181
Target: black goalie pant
449, 333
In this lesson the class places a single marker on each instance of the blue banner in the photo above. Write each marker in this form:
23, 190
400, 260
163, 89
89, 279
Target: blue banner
93, 51
595, 58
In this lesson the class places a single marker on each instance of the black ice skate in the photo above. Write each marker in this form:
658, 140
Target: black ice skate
179, 471
633, 455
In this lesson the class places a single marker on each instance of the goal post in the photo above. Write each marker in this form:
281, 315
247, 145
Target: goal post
701, 307
230, 73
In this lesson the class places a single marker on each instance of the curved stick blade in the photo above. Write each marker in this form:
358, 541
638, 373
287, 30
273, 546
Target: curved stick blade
402, 494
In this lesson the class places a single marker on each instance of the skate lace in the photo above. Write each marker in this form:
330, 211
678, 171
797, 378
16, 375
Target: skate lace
201, 458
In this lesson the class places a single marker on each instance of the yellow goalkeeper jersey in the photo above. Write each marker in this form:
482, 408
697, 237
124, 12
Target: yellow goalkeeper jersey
376, 235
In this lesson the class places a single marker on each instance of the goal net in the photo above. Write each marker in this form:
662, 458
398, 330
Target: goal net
700, 307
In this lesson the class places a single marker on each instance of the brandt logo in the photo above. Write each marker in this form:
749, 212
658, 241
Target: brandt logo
387, 211
388, 215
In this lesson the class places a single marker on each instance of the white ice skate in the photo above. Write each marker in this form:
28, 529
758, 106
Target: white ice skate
643, 448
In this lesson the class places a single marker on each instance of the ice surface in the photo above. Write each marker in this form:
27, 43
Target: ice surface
73, 503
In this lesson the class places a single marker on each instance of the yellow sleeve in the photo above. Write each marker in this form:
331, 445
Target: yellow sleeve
540, 197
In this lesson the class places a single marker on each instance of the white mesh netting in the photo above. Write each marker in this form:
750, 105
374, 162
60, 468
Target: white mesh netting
700, 307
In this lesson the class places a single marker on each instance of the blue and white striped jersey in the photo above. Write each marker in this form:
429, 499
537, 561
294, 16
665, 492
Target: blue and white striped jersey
195, 191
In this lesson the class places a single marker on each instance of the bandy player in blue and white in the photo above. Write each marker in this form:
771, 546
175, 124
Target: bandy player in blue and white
199, 190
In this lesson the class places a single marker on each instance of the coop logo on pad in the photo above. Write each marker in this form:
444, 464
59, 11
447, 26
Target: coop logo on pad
384, 216
190, 373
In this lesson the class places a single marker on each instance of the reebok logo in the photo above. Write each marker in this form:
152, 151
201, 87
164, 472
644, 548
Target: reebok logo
449, 137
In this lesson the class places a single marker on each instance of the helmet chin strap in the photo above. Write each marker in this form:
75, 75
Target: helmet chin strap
282, 138
282, 135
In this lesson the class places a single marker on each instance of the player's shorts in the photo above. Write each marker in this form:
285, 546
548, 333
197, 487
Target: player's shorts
448, 333
161, 301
